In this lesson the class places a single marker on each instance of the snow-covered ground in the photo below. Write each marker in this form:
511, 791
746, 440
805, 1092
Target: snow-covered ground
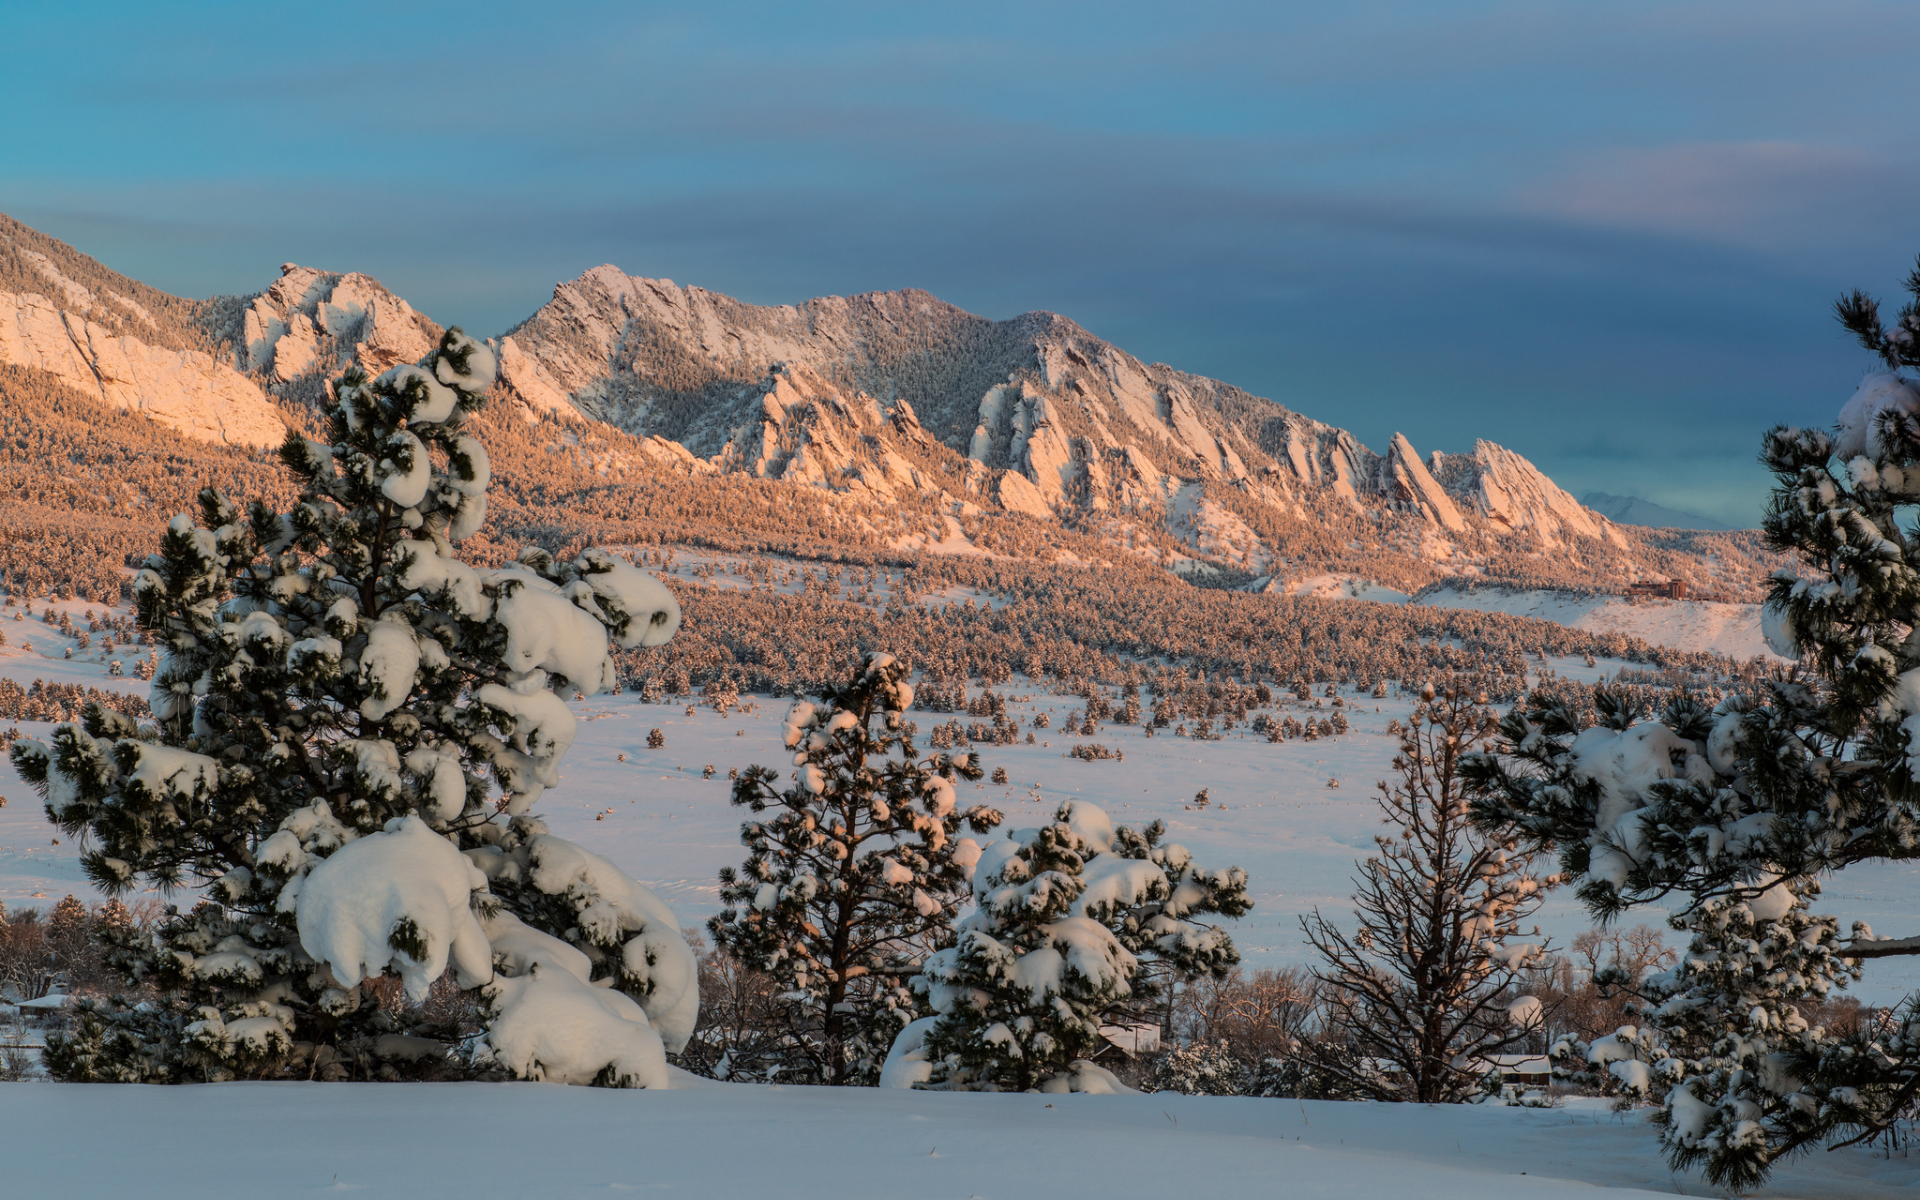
1729, 629
1346, 587
521, 1140
1271, 812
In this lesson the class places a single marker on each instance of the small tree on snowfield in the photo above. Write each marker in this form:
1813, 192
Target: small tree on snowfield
1426, 982
854, 877
1066, 915
339, 695
1021, 997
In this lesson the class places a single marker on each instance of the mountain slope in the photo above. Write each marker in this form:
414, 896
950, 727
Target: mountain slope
1042, 419
912, 424
133, 346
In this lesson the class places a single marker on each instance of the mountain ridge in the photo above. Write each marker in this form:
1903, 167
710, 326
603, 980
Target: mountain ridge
1634, 510
928, 425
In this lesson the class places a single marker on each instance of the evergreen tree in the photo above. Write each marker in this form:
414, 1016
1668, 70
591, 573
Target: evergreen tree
1426, 983
1053, 951
1737, 812
338, 695
855, 876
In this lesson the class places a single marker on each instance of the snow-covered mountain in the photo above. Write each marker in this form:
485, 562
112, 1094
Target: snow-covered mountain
131, 346
1632, 510
1051, 419
889, 402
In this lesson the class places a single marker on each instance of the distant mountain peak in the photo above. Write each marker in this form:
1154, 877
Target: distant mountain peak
1632, 510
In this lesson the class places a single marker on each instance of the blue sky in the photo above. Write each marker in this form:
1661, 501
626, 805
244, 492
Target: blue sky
1606, 235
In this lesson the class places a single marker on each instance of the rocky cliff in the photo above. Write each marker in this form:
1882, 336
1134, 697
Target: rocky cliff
64, 314
1054, 422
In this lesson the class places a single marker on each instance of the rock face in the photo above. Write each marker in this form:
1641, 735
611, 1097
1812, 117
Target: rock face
806, 431
1412, 484
1055, 420
1512, 493
206, 369
185, 390
317, 321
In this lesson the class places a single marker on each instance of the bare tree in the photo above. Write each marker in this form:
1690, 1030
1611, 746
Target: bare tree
1427, 984
1265, 1015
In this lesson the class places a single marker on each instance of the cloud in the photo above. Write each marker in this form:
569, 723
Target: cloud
1757, 193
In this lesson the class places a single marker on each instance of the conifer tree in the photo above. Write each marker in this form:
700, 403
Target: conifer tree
1735, 814
854, 877
1426, 982
338, 696
1065, 914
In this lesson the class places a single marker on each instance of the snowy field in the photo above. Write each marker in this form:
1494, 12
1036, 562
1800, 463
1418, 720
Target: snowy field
545, 1142
1729, 629
1271, 812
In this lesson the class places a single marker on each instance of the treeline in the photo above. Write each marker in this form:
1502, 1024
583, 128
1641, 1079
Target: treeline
1111, 627
44, 701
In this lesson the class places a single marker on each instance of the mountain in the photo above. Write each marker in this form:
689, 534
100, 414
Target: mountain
1632, 510
133, 346
892, 422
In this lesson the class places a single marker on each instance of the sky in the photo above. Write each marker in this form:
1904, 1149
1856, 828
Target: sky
1605, 235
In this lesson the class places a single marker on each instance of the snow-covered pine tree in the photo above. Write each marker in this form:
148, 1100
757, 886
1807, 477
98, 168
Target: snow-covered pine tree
1427, 981
337, 694
1065, 913
1150, 893
1629, 1063
1740, 810
853, 879
1742, 1077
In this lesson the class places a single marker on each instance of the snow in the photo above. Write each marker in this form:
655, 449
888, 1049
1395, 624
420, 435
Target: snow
540, 727
907, 1064
1730, 629
1879, 393
431, 573
167, 773
478, 376
652, 612
1735, 630
546, 632
446, 781
354, 900
613, 906
1777, 630
518, 947
488, 1141
671, 830
551, 1025
1348, 587
388, 667
1625, 763
406, 472
1080, 944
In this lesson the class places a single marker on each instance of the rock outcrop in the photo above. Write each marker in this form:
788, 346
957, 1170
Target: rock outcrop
313, 320
188, 391
1513, 495
1082, 425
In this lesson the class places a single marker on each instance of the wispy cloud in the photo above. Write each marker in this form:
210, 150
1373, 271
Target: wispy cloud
1767, 194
